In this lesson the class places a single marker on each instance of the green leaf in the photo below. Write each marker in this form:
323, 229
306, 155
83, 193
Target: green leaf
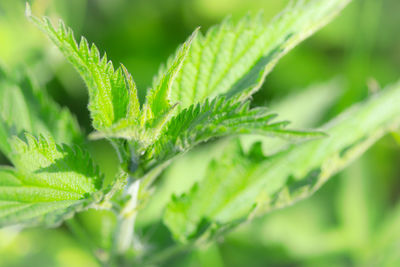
240, 189
383, 249
25, 107
158, 98
217, 118
294, 107
5, 132
157, 110
112, 93
234, 58
396, 136
49, 182
187, 215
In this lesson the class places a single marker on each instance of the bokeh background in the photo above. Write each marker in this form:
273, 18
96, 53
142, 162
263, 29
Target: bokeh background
354, 220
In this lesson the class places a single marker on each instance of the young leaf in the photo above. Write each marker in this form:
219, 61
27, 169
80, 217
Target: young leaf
157, 110
112, 93
48, 183
216, 118
234, 58
24, 107
158, 98
242, 189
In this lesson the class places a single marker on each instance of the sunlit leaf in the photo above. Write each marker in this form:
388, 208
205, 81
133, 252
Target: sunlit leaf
217, 118
49, 182
112, 92
280, 180
234, 58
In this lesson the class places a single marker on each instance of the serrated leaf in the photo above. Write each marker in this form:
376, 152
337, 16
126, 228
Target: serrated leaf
25, 107
225, 178
157, 110
282, 179
158, 98
49, 182
294, 107
234, 58
112, 93
216, 118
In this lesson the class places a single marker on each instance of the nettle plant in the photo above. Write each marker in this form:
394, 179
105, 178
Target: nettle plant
202, 93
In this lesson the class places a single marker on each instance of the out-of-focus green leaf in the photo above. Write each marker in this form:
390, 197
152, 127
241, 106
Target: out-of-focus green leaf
95, 229
43, 247
284, 178
383, 249
396, 136
25, 107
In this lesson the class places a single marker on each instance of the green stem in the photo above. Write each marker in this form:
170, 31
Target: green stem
126, 220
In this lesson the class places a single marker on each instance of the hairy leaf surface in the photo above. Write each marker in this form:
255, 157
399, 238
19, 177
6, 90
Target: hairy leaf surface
234, 58
240, 188
158, 98
195, 162
112, 93
48, 183
216, 118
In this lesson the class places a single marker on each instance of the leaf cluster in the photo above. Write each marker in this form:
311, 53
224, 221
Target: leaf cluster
202, 93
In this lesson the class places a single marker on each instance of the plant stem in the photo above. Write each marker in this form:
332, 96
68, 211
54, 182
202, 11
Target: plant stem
126, 220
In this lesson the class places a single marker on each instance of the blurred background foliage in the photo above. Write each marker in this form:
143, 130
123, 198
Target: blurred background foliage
354, 220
